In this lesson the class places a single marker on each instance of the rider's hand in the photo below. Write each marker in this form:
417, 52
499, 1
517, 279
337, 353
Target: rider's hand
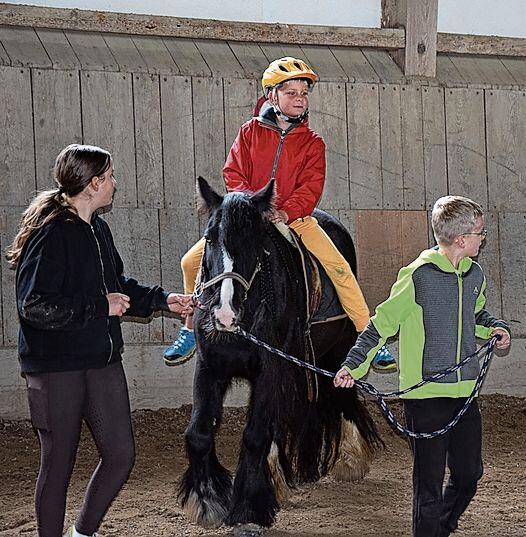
278, 216
118, 303
180, 304
505, 339
343, 379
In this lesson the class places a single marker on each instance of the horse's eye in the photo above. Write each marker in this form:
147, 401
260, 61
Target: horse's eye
208, 240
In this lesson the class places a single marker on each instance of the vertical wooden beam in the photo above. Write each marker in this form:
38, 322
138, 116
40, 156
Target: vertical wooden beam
419, 18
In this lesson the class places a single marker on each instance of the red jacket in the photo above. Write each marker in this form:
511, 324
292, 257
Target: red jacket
298, 156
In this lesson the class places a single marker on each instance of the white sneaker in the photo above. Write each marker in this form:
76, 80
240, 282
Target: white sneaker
72, 532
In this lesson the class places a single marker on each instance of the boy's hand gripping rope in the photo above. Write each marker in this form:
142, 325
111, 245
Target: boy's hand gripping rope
380, 396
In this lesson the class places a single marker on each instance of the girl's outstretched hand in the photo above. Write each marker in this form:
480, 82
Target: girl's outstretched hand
180, 304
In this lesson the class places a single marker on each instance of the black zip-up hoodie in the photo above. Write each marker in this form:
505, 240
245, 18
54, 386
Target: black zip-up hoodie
64, 274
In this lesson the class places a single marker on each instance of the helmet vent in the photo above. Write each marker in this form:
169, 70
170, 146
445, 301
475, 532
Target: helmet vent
283, 68
298, 66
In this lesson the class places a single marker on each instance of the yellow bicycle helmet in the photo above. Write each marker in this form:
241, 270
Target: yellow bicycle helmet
284, 69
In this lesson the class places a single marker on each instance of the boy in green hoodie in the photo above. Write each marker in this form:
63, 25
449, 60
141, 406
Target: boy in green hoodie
437, 306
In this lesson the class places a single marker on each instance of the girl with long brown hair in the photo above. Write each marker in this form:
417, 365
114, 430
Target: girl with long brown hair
71, 291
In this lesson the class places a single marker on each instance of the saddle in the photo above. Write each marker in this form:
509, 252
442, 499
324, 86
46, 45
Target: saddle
323, 302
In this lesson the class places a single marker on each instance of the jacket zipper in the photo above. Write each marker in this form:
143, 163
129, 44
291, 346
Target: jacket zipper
105, 292
282, 134
278, 154
459, 327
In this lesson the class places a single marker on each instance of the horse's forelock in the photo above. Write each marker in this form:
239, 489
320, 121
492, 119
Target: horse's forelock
241, 222
239, 214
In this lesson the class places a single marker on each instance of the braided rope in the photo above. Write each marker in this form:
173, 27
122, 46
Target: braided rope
380, 396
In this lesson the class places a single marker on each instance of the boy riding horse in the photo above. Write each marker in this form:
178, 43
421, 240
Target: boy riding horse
279, 144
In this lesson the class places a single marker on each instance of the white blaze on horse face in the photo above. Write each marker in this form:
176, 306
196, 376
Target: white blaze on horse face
224, 313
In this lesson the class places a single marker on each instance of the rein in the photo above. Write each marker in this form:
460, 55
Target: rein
380, 396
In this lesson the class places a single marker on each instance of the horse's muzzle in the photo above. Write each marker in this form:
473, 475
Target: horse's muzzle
225, 320
220, 327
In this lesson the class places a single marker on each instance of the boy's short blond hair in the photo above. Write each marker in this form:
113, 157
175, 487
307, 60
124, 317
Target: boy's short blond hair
452, 216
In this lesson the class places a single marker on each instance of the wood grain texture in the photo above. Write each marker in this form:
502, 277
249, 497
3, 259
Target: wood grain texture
178, 142
219, 58
131, 23
125, 52
148, 140
412, 147
187, 57
240, 97
435, 158
54, 91
92, 51
466, 144
512, 263
251, 58
384, 65
209, 130
58, 48
156, 55
490, 259
4, 56
17, 164
355, 64
480, 71
107, 118
9, 224
327, 118
324, 63
391, 147
363, 131
506, 149
24, 47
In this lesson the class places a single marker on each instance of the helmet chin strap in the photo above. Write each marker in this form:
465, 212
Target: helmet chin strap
290, 119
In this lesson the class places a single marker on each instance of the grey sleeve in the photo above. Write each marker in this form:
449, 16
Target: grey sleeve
483, 318
367, 340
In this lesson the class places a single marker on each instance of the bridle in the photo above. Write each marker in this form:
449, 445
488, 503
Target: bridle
202, 285
247, 284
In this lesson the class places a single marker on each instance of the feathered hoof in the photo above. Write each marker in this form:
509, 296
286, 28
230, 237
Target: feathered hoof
207, 514
281, 488
247, 530
355, 457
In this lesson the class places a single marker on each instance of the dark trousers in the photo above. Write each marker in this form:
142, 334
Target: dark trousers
58, 403
436, 510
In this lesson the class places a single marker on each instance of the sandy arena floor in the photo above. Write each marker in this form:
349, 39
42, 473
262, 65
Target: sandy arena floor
378, 506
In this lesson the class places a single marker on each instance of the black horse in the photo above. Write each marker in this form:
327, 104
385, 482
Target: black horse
298, 426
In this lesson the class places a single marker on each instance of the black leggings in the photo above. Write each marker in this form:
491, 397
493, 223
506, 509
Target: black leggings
58, 403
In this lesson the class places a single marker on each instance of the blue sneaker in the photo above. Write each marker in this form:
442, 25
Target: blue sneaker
182, 349
384, 362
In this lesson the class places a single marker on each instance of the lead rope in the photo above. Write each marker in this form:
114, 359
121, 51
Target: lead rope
380, 396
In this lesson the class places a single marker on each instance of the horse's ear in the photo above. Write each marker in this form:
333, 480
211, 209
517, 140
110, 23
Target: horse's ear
264, 199
211, 199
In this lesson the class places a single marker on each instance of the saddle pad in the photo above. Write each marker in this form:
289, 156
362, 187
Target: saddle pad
329, 304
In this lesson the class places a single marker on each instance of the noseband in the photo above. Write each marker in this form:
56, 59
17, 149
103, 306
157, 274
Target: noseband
201, 286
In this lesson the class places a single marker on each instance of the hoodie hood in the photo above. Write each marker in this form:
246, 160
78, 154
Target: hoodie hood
442, 261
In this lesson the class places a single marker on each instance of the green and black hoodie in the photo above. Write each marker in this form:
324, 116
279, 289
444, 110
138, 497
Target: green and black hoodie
439, 312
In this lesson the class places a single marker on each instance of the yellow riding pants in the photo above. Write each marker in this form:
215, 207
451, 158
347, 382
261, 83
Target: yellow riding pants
322, 247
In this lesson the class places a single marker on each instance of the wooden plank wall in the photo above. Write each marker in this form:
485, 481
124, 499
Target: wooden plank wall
392, 149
